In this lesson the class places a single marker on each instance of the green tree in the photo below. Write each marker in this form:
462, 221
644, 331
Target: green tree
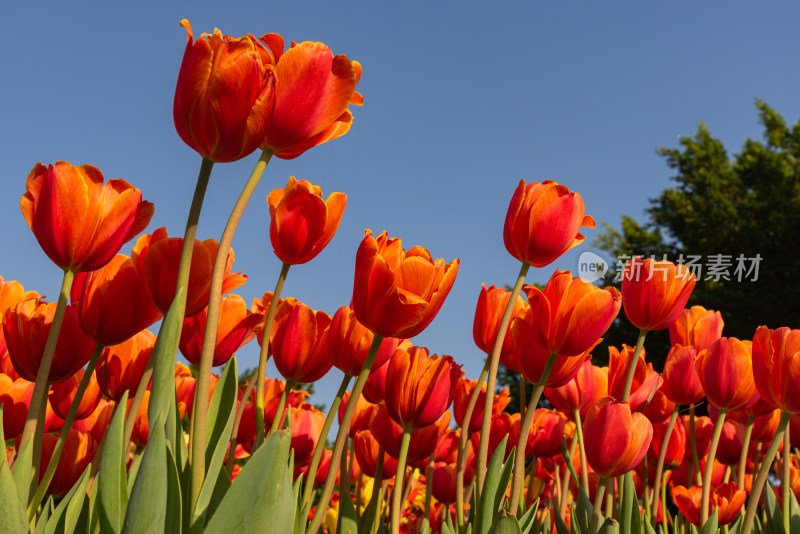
742, 206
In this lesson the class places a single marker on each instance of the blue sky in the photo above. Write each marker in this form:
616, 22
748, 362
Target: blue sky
461, 102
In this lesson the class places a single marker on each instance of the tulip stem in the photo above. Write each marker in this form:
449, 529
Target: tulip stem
463, 441
136, 402
785, 484
264, 354
662, 454
237, 422
34, 424
598, 503
483, 448
525, 426
323, 436
758, 484
397, 494
632, 365
375, 499
41, 489
522, 401
584, 467
426, 518
748, 433
712, 453
200, 406
693, 440
341, 436
276, 421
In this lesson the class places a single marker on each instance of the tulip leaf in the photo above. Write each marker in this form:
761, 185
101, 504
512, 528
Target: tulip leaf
133, 471
112, 493
346, 522
301, 514
774, 516
528, 519
65, 517
220, 489
447, 525
221, 413
737, 525
491, 485
178, 448
583, 510
505, 524
21, 471
44, 516
612, 527
147, 507
794, 510
164, 353
174, 517
629, 518
260, 500
13, 519
505, 476
710, 527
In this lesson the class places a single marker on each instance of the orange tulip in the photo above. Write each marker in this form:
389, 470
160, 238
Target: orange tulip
79, 222
99, 295
576, 394
311, 98
731, 441
544, 438
120, 368
300, 345
302, 223
306, 427
696, 327
505, 424
26, 328
157, 256
362, 415
349, 342
726, 372
655, 292
616, 440
11, 293
423, 440
725, 499
284, 308
676, 447
419, 387
543, 222
398, 293
236, 328
63, 393
492, 303
645, 380
461, 396
225, 95
660, 408
366, 448
97, 421
681, 382
15, 398
79, 449
776, 367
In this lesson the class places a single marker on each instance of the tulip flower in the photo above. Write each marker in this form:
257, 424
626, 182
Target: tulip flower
726, 372
362, 415
11, 293
616, 439
367, 449
444, 482
655, 292
78, 453
236, 328
63, 393
306, 427
462, 394
302, 223
101, 315
121, 367
97, 422
696, 327
225, 95
15, 397
503, 425
26, 328
725, 499
577, 393
422, 442
300, 345
79, 222
544, 439
776, 367
645, 380
489, 311
398, 293
543, 222
349, 342
156, 257
419, 387
731, 442
681, 382
676, 446
311, 98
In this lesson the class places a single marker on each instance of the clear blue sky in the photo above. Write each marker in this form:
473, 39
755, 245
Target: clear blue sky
462, 100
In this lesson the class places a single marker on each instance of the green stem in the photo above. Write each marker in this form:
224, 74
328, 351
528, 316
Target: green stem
598, 503
785, 485
463, 443
323, 437
341, 436
375, 499
237, 421
264, 354
693, 440
276, 421
662, 454
200, 407
584, 467
34, 424
397, 494
525, 426
712, 453
62, 435
758, 484
632, 365
748, 434
483, 448
138, 397
664, 509
426, 518
522, 399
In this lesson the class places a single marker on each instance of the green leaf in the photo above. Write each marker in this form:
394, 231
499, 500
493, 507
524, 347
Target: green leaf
65, 517
260, 500
147, 507
112, 494
447, 524
505, 476
561, 527
629, 518
774, 516
583, 511
486, 510
13, 519
174, 517
21, 470
794, 513
133, 471
610, 527
528, 519
44, 516
164, 354
221, 413
346, 522
505, 524
737, 525
710, 526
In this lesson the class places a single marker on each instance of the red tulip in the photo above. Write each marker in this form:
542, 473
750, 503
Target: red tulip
462, 394
300, 345
121, 367
645, 380
543, 222
78, 453
616, 440
349, 342
726, 372
63, 393
776, 367
725, 499
655, 292
544, 439
681, 382
576, 394
696, 327
492, 303
225, 95
366, 449
676, 447
79, 222
307, 424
